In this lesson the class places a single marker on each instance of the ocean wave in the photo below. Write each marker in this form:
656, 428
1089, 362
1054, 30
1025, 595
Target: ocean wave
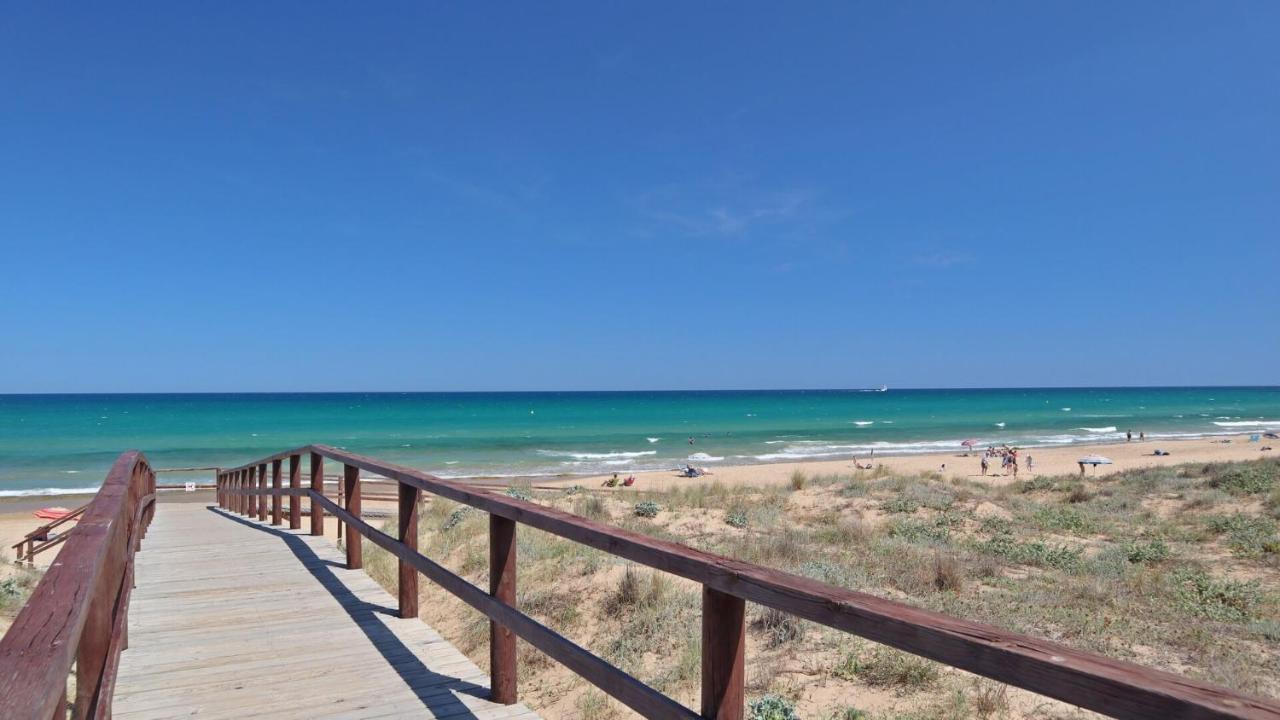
864, 423
1107, 429
596, 456
703, 457
1000, 424
48, 491
1066, 409
652, 440
1248, 423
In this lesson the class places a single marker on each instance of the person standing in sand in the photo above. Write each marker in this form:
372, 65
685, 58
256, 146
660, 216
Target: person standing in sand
1128, 436
984, 465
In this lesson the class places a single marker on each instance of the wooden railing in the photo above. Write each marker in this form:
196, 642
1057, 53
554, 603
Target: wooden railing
43, 537
78, 613
1111, 687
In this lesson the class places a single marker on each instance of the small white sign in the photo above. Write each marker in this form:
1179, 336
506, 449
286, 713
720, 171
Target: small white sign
191, 487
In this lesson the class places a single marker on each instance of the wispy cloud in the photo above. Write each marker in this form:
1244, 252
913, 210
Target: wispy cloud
727, 208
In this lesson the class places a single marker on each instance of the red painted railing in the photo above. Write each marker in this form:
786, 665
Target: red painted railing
78, 612
1111, 687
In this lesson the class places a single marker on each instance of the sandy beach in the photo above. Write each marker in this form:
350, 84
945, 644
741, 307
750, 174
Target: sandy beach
16, 517
1047, 461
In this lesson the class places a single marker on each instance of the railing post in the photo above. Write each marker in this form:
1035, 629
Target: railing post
317, 487
295, 484
275, 495
502, 586
233, 485
724, 642
217, 488
242, 484
351, 485
262, 499
409, 497
250, 483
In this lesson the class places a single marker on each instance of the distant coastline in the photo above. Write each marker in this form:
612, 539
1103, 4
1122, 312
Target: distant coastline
63, 444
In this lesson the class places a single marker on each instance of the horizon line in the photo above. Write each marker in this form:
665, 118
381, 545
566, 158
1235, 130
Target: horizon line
651, 390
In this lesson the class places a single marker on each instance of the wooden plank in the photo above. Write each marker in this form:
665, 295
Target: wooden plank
262, 485
724, 645
295, 484
350, 487
408, 536
618, 684
71, 614
502, 586
276, 481
233, 653
317, 486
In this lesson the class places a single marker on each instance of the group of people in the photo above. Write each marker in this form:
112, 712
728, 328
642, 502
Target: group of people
1009, 460
1128, 436
615, 481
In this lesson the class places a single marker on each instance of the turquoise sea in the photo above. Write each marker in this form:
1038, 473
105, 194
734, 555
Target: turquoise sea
62, 443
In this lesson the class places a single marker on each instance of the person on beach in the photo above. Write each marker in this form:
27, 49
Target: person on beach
1142, 436
1128, 436
1031, 464
984, 465
1081, 468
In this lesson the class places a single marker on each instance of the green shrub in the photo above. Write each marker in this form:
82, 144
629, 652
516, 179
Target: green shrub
900, 504
1217, 599
457, 516
1249, 537
920, 531
736, 518
798, 479
1036, 483
1033, 553
518, 492
591, 506
772, 707
1064, 518
1145, 553
647, 509
1244, 478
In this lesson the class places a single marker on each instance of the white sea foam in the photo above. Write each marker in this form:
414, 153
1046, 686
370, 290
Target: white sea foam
1107, 429
1000, 424
653, 440
1249, 423
71, 472
596, 456
864, 423
703, 457
33, 492
1066, 409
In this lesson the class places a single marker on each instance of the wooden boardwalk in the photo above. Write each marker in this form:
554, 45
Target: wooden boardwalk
233, 618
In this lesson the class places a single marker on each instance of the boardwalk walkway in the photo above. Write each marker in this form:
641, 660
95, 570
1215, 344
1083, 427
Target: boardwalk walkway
233, 618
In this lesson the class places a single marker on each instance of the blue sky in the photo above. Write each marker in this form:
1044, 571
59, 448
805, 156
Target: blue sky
416, 196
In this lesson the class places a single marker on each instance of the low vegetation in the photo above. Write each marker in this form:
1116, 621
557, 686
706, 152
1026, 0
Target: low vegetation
1176, 568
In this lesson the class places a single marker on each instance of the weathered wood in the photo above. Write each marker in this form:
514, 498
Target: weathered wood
616, 683
295, 484
71, 614
262, 485
408, 535
251, 483
351, 486
1094, 682
317, 486
276, 481
724, 644
233, 650
502, 586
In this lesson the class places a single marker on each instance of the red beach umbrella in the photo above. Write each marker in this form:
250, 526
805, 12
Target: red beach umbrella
969, 443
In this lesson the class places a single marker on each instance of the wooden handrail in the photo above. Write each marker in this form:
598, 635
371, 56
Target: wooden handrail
1108, 686
78, 612
38, 540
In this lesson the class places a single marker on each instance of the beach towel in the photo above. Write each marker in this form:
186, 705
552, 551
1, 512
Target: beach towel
52, 513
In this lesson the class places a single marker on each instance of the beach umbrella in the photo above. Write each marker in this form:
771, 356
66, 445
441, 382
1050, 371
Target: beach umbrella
969, 443
1094, 460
